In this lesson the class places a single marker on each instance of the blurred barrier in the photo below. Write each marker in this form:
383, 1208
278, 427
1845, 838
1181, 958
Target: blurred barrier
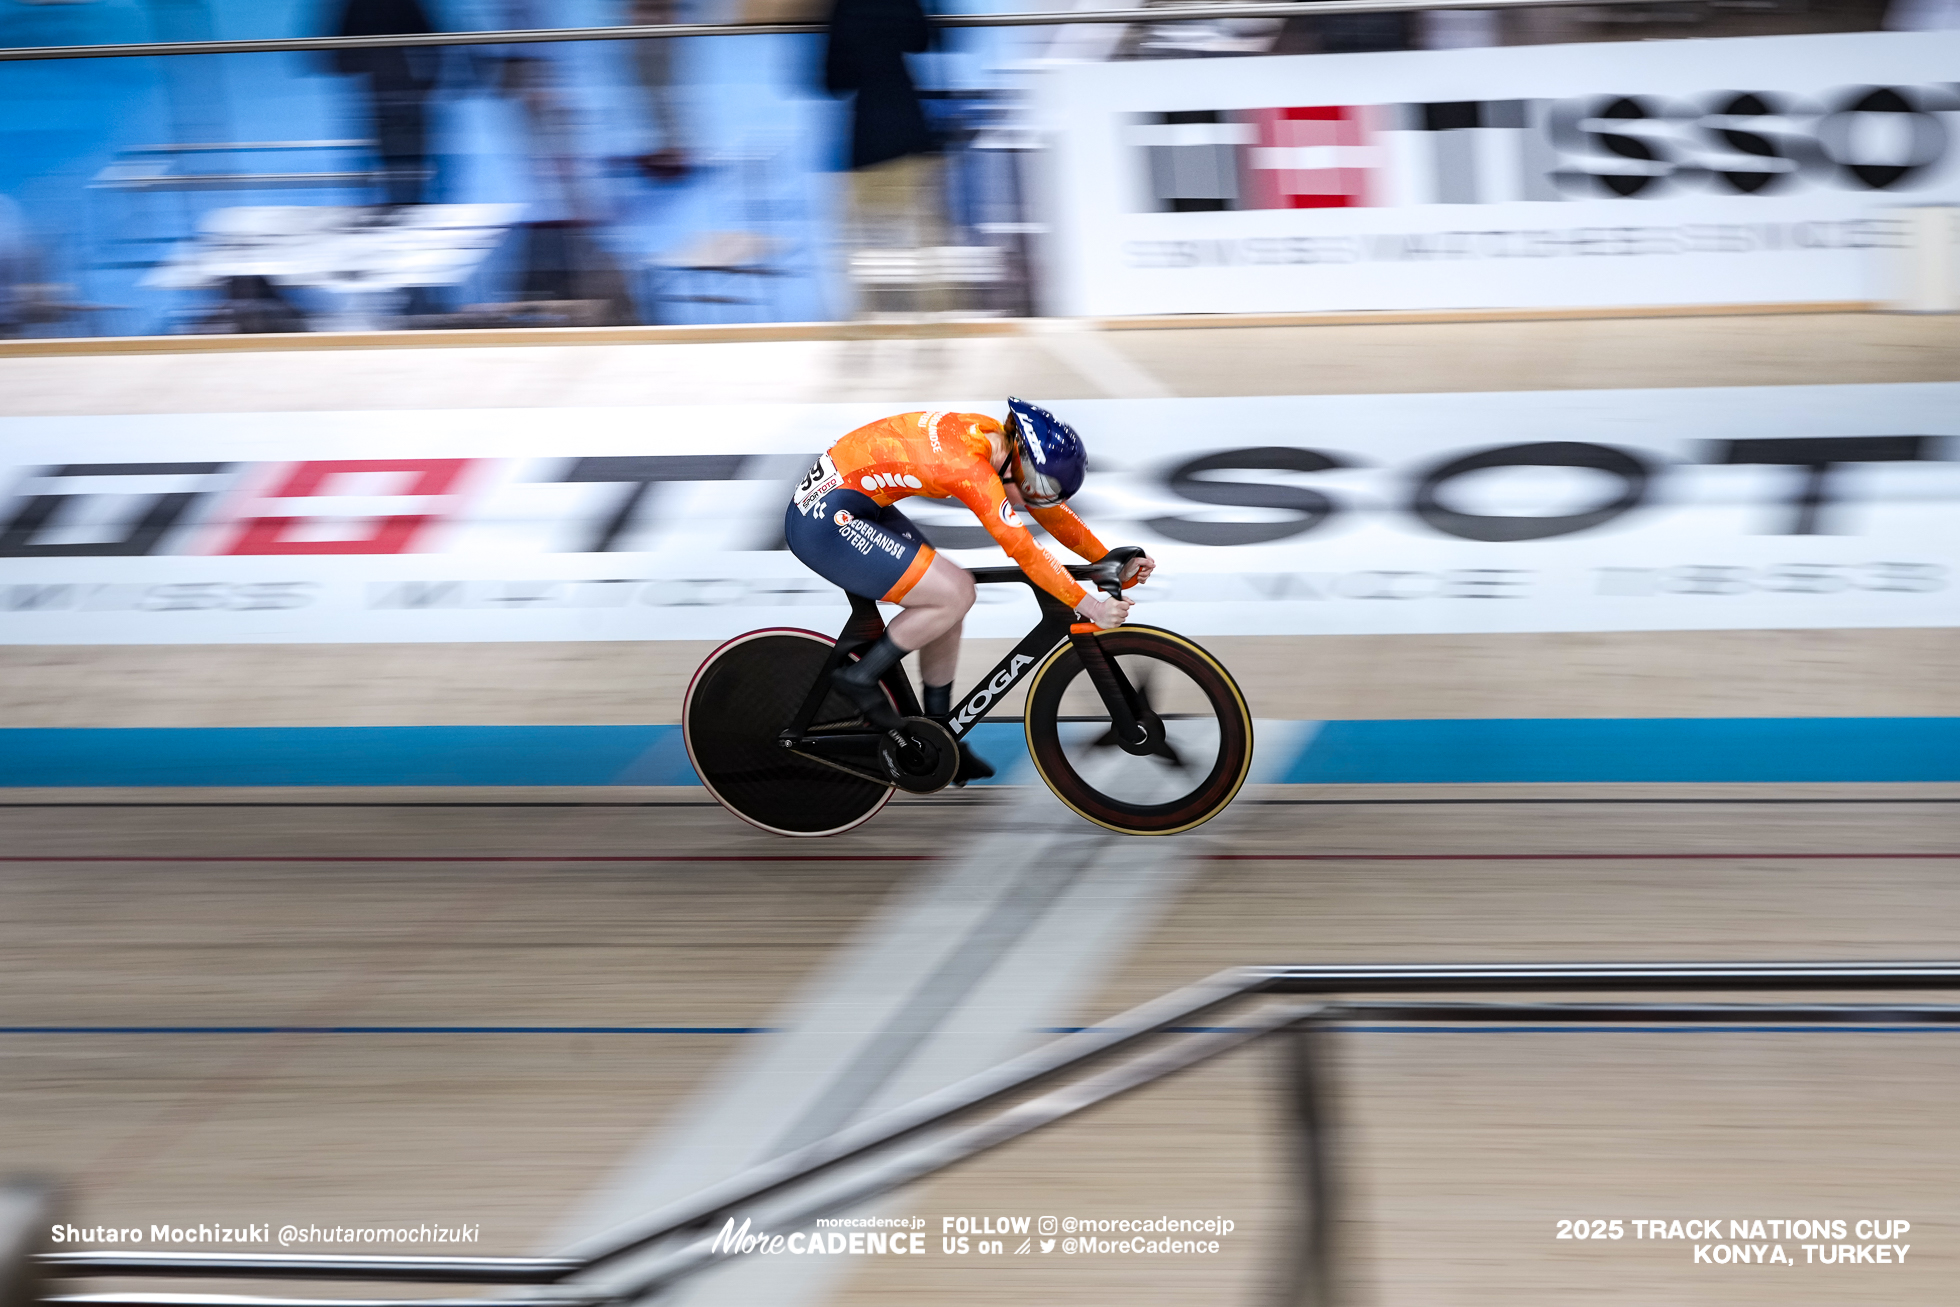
1184, 12
1620, 173
27, 1209
1742, 509
1078, 1071
620, 146
1927, 271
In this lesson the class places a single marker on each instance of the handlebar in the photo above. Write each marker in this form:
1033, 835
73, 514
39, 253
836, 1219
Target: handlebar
1106, 575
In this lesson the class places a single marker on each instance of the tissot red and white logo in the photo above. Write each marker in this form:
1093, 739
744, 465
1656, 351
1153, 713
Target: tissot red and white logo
1753, 170
1609, 146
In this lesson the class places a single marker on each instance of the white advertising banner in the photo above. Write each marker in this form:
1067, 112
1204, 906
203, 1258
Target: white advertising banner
1816, 506
1757, 170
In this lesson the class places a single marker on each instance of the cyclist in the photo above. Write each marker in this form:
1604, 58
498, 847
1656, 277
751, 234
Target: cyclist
843, 523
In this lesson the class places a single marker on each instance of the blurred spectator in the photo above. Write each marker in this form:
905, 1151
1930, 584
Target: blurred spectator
1347, 34
396, 82
653, 66
897, 176
1459, 29
28, 297
14, 264
568, 278
1922, 15
537, 80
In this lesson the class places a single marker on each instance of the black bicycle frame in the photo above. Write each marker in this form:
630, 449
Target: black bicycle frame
1051, 630
1133, 722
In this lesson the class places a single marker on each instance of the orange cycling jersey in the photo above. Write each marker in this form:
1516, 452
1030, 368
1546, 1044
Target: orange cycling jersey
943, 455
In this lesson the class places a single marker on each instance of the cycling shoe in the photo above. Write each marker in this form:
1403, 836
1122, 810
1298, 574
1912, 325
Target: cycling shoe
972, 766
869, 699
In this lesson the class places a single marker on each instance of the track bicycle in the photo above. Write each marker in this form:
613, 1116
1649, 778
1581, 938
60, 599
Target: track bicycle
1137, 729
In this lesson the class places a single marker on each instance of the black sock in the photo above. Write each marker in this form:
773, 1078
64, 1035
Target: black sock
872, 663
939, 700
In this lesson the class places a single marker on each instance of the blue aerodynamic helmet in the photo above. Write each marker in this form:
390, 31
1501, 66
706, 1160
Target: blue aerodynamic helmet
1048, 452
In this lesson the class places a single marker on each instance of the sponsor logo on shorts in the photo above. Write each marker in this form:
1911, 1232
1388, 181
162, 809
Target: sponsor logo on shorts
864, 536
1007, 514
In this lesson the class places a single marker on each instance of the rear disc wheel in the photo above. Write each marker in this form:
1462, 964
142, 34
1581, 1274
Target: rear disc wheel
740, 700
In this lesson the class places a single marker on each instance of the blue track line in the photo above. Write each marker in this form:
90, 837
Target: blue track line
1470, 751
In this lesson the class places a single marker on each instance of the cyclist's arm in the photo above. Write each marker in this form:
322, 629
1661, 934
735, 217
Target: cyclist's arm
1065, 526
987, 504
1075, 535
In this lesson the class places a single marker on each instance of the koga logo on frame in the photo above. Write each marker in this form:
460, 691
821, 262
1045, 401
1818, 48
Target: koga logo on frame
999, 685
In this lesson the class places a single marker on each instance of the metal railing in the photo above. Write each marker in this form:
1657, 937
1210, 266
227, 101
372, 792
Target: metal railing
1080, 1070
1172, 13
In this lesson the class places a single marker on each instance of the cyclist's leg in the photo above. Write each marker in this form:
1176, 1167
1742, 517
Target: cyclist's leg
944, 590
935, 608
935, 600
878, 553
935, 611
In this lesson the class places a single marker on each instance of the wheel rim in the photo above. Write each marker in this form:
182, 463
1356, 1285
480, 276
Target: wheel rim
1206, 736
741, 698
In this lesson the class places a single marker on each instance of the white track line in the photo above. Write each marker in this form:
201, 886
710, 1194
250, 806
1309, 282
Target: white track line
1088, 353
966, 967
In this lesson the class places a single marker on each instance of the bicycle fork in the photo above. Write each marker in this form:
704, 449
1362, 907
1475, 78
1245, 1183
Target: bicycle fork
1128, 714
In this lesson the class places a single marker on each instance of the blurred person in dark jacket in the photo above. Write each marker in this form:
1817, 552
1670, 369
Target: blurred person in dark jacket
896, 174
13, 268
654, 69
397, 81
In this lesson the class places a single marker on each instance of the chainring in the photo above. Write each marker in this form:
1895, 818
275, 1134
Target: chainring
927, 762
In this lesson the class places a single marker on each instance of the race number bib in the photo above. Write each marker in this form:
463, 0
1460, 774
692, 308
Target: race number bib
819, 481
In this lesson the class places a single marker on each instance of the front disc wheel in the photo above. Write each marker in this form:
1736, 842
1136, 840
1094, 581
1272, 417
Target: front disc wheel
1194, 754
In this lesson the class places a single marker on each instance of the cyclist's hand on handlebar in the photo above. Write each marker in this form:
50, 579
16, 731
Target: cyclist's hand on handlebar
1138, 570
1106, 613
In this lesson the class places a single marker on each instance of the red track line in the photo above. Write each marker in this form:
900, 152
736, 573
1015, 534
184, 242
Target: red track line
465, 857
1543, 857
929, 857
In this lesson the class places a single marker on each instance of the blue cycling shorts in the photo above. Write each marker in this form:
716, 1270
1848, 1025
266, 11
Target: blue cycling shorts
853, 543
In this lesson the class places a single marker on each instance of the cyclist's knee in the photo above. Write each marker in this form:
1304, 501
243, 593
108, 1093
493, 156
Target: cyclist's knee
962, 588
945, 586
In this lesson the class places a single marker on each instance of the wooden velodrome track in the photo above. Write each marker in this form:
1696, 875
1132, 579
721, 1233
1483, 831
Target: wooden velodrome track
535, 1012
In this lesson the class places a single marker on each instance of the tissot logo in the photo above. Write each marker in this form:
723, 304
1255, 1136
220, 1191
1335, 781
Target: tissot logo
1316, 157
1722, 142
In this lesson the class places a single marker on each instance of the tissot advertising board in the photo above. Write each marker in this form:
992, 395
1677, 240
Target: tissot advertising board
1756, 170
1819, 506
